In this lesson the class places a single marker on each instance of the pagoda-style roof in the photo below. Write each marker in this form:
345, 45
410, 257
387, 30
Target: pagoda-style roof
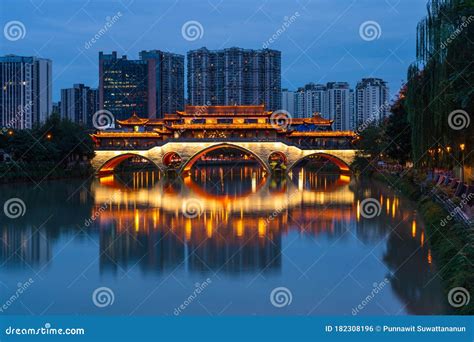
134, 120
126, 135
323, 134
316, 119
234, 111
254, 126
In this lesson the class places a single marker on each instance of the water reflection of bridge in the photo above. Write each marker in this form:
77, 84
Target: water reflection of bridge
240, 232
231, 234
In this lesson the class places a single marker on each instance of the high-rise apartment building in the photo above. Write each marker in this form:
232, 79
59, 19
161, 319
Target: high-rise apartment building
150, 86
79, 104
371, 101
288, 101
310, 99
26, 91
338, 105
234, 76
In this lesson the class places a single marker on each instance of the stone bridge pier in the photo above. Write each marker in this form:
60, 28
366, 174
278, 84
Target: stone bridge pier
105, 161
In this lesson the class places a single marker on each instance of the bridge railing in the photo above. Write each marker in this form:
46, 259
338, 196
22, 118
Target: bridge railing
304, 145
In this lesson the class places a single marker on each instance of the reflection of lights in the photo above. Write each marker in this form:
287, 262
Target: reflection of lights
393, 209
155, 218
106, 179
240, 228
300, 180
209, 228
422, 240
137, 221
430, 258
388, 206
254, 182
261, 227
345, 178
413, 228
188, 229
358, 211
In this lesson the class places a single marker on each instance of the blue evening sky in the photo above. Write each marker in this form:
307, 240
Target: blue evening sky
321, 44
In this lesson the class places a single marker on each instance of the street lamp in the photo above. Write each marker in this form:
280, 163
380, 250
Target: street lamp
462, 147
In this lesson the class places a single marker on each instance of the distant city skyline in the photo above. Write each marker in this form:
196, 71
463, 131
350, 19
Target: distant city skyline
320, 41
234, 76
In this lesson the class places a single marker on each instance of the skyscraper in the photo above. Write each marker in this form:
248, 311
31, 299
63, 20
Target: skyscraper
371, 101
234, 76
26, 93
167, 81
150, 86
310, 99
79, 104
288, 101
338, 105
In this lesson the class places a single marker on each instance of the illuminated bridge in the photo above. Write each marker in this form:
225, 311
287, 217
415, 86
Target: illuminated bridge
177, 141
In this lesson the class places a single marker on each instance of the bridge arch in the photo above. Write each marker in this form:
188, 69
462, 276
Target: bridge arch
192, 160
341, 164
110, 165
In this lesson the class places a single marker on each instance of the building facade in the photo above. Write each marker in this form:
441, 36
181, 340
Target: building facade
234, 76
371, 101
288, 101
26, 93
150, 86
310, 99
338, 105
79, 104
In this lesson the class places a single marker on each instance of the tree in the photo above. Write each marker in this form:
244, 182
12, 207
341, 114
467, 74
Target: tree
398, 132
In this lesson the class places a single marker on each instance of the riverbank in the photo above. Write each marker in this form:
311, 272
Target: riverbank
26, 172
452, 242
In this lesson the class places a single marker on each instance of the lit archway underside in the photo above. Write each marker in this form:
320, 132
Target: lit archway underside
343, 167
111, 164
190, 163
203, 194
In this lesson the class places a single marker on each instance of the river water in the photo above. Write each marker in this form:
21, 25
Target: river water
218, 242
